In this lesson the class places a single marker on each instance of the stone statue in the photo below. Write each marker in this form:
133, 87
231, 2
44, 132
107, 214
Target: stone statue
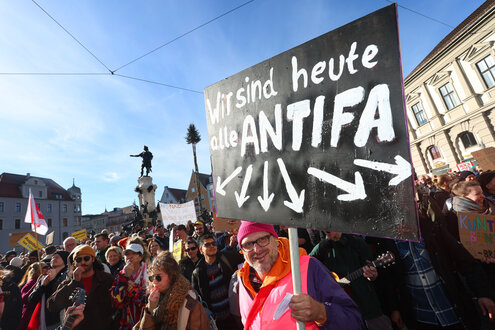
147, 157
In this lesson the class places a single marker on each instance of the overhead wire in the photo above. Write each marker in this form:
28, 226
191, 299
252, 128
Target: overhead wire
55, 73
183, 35
72, 36
158, 83
420, 14
113, 72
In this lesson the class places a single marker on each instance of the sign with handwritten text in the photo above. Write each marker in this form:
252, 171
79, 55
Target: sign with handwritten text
80, 235
30, 243
316, 137
178, 213
477, 233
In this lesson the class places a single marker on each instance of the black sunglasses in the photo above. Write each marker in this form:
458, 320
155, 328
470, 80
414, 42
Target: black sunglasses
209, 244
191, 248
157, 277
79, 259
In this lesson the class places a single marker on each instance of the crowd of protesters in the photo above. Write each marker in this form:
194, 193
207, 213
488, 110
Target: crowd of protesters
241, 279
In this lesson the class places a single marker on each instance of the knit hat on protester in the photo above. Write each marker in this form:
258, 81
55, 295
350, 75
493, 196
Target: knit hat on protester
465, 174
9, 253
83, 250
64, 255
248, 227
16, 261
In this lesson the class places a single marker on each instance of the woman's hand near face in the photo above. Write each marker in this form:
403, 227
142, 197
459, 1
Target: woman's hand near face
153, 299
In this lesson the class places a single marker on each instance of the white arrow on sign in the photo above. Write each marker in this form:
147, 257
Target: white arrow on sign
222, 185
242, 198
296, 202
354, 191
266, 200
401, 167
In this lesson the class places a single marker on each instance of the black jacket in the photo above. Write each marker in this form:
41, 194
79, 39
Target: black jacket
462, 276
228, 263
36, 295
98, 311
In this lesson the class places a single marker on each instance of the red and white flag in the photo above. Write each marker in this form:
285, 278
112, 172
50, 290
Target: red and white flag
34, 217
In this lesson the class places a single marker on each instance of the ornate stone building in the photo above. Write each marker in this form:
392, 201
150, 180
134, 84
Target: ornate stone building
450, 96
60, 207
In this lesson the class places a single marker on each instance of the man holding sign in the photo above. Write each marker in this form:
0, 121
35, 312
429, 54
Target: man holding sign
265, 286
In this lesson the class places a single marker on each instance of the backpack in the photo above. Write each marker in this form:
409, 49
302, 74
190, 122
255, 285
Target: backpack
211, 317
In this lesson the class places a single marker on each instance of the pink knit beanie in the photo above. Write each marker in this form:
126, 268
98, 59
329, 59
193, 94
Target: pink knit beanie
248, 227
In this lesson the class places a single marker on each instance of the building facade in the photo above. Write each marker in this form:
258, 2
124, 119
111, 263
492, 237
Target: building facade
61, 208
450, 96
205, 195
173, 196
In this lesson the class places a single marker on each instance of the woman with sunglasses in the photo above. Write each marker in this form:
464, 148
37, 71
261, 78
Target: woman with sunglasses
172, 304
129, 287
191, 259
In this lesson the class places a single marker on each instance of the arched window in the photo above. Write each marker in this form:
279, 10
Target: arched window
468, 139
435, 152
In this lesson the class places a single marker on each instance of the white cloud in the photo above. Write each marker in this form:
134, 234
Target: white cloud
110, 177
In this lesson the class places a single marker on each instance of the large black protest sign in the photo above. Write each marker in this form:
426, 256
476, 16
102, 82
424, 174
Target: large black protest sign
316, 137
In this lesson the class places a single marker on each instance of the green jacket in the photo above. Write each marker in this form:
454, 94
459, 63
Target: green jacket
345, 256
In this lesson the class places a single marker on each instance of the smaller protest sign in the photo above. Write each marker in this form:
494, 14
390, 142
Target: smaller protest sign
49, 238
465, 166
178, 213
30, 243
477, 233
80, 235
177, 250
15, 237
226, 224
485, 158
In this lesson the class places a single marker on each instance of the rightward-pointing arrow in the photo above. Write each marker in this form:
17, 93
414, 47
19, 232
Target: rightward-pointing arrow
296, 202
221, 185
266, 200
242, 198
401, 167
354, 190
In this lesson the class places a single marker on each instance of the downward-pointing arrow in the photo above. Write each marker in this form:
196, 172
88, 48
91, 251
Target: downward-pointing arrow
402, 168
242, 198
266, 200
297, 202
354, 191
222, 185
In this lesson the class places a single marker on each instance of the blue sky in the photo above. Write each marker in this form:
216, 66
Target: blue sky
85, 126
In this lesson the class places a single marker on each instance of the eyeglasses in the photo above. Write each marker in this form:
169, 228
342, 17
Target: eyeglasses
209, 244
261, 242
191, 248
158, 278
79, 259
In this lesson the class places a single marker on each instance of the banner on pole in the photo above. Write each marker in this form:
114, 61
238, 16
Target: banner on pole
178, 213
30, 243
317, 137
477, 233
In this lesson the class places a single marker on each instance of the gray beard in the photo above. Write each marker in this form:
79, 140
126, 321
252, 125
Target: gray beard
261, 270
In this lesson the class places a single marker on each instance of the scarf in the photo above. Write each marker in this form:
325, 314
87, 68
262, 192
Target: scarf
166, 315
141, 276
464, 204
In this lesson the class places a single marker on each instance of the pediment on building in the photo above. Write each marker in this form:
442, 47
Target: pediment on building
411, 97
475, 50
438, 78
